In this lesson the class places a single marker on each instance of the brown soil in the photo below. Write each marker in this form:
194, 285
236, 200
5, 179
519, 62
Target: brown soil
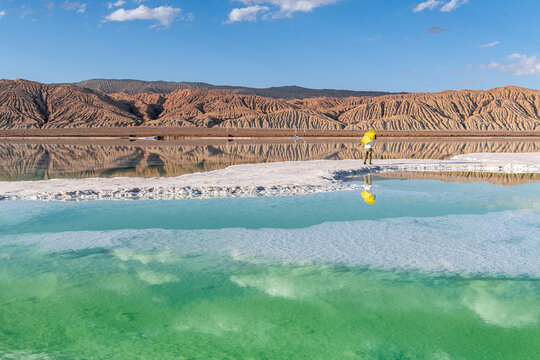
179, 132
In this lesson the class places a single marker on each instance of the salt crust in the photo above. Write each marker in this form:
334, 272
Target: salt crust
270, 179
496, 243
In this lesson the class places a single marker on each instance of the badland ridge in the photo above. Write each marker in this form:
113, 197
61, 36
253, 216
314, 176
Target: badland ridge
32, 105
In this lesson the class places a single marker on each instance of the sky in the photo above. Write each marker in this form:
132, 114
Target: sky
384, 45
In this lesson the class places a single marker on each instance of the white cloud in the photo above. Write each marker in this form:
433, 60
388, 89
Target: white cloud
429, 4
411, 71
376, 37
2, 14
433, 4
277, 8
76, 6
246, 14
491, 65
288, 7
25, 11
116, 4
164, 15
491, 44
523, 65
453, 5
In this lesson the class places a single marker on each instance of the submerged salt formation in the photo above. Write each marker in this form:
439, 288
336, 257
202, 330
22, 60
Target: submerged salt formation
417, 225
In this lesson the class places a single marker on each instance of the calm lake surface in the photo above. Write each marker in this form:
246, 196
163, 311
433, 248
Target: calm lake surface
60, 158
432, 270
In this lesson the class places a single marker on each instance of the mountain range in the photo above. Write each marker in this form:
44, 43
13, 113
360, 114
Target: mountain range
128, 86
32, 105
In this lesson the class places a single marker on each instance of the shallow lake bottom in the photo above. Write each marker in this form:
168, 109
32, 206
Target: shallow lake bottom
430, 270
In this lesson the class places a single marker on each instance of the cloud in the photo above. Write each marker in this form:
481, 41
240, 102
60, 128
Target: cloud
79, 8
429, 4
491, 44
435, 30
369, 39
246, 14
2, 14
288, 7
433, 4
523, 65
275, 9
25, 11
164, 15
453, 5
116, 4
491, 65
410, 71
376, 37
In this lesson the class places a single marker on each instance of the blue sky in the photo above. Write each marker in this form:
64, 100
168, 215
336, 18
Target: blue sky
391, 45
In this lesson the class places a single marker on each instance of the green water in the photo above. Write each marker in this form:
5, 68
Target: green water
395, 199
104, 305
205, 279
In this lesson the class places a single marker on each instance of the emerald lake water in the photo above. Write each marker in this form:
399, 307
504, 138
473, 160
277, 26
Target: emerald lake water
432, 270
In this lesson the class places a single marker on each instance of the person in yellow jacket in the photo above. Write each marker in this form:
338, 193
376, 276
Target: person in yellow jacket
368, 140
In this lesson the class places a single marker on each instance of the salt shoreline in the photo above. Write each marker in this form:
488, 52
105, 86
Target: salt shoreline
267, 179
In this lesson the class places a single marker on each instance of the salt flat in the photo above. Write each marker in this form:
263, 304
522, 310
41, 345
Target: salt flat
285, 178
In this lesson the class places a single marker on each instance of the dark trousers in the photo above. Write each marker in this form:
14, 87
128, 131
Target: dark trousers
369, 152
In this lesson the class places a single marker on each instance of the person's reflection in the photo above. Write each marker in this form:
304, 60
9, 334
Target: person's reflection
367, 195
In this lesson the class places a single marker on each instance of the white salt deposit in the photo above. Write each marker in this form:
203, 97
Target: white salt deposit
504, 243
287, 178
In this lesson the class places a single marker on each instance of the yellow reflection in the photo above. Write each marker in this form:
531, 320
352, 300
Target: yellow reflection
367, 194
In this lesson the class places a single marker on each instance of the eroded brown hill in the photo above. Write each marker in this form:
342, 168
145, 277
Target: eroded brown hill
507, 108
26, 104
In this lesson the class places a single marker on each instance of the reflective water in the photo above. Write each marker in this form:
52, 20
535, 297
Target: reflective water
431, 270
44, 159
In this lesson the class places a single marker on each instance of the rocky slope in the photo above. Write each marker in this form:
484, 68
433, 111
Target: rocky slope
26, 104
507, 108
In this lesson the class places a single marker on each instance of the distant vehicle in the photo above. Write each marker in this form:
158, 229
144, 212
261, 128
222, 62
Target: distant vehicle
151, 138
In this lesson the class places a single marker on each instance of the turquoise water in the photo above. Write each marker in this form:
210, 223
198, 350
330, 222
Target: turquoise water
431, 271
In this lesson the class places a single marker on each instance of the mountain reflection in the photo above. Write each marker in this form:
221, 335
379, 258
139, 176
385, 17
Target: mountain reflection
73, 158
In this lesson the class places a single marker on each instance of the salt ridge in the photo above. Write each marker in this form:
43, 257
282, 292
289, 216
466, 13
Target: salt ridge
497, 243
